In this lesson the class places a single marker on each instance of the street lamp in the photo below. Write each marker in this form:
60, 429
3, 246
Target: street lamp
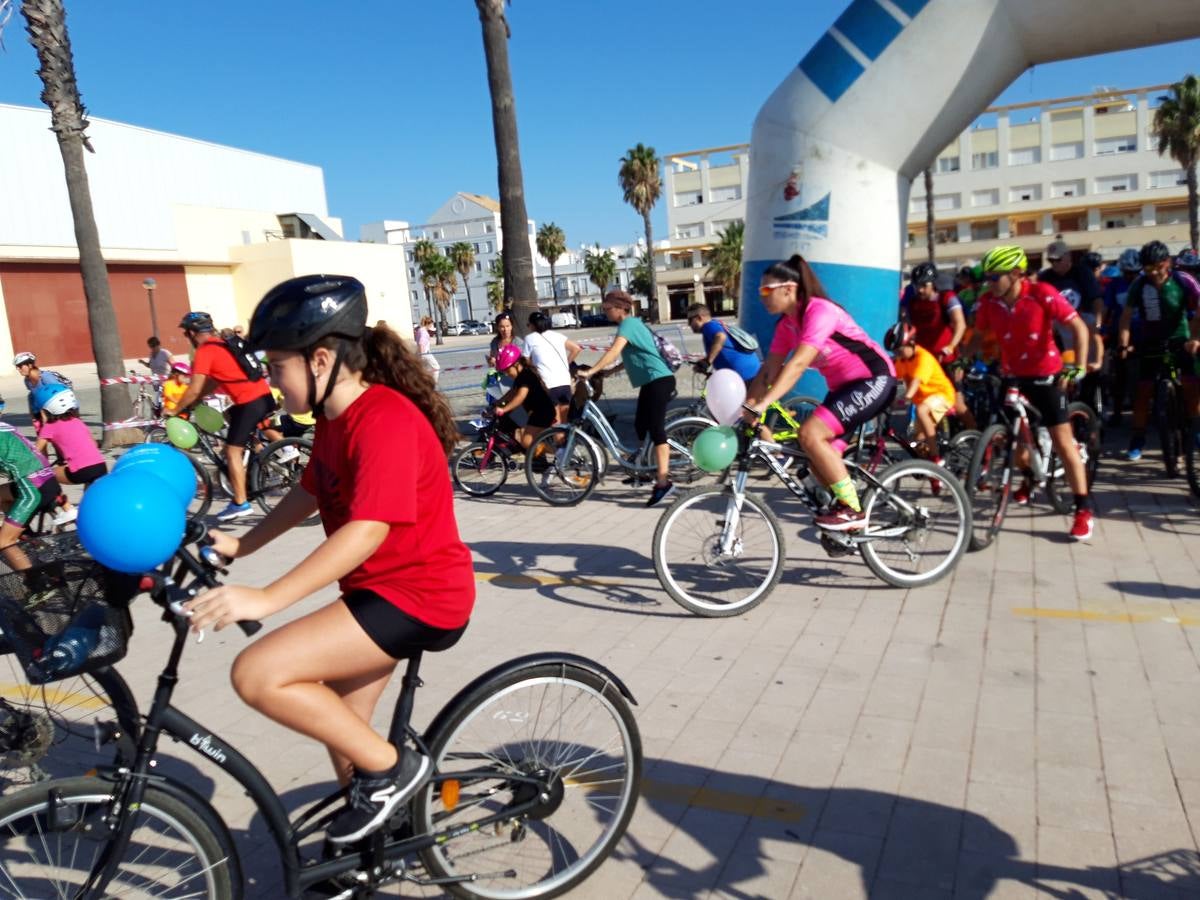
149, 284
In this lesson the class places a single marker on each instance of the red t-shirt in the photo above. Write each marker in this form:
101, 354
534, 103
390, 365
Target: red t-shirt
1025, 331
931, 318
216, 361
381, 461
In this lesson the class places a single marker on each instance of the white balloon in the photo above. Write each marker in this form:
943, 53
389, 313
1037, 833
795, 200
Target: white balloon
725, 394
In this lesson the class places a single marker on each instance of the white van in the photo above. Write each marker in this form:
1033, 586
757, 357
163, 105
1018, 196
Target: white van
563, 320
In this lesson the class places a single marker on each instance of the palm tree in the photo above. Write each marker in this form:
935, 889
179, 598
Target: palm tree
601, 267
552, 244
1177, 129
929, 218
425, 255
639, 276
725, 263
445, 283
519, 290
640, 180
462, 255
45, 20
495, 285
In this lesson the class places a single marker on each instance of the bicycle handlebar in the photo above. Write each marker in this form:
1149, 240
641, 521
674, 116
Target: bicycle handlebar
210, 561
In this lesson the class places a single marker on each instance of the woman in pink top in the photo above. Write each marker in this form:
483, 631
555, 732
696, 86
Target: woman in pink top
62, 427
815, 332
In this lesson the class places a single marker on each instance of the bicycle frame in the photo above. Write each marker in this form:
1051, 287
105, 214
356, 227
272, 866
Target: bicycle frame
1016, 411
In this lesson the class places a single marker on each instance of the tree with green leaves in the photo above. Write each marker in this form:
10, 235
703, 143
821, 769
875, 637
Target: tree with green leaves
445, 283
46, 22
601, 266
1177, 130
552, 244
640, 276
725, 263
462, 254
423, 252
519, 289
495, 285
641, 182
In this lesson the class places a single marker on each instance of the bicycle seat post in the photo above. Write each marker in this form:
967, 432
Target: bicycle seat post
404, 703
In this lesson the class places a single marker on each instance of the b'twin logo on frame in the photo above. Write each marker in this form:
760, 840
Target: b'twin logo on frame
204, 745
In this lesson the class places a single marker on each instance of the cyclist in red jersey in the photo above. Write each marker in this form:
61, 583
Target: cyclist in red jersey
941, 326
378, 477
1021, 314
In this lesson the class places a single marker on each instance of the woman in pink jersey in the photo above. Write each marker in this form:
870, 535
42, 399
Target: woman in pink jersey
814, 332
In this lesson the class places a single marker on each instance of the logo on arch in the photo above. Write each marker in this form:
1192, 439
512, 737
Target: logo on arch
811, 223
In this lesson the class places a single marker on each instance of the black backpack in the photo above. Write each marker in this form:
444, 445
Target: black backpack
246, 360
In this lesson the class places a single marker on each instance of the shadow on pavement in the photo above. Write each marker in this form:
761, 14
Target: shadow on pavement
1157, 590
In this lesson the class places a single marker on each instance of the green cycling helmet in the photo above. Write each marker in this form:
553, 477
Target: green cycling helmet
1004, 259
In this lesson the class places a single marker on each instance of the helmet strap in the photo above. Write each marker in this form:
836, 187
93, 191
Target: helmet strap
318, 406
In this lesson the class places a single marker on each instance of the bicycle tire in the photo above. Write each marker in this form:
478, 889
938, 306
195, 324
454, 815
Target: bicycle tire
1085, 430
468, 460
203, 860
713, 575
501, 708
988, 484
684, 432
273, 471
155, 434
959, 450
1166, 406
932, 485
577, 475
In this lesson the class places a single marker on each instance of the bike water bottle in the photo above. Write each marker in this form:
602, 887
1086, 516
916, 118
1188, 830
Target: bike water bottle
66, 653
1043, 439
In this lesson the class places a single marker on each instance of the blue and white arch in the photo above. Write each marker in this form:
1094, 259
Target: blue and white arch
835, 148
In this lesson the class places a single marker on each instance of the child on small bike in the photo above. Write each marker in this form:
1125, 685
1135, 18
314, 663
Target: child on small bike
176, 386
527, 393
62, 428
928, 387
379, 478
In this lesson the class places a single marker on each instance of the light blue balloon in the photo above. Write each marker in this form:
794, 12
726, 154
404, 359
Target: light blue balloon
164, 461
131, 521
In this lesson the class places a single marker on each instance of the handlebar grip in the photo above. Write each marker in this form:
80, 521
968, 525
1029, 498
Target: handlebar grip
250, 627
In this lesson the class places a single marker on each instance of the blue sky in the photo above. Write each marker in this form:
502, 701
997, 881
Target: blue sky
390, 97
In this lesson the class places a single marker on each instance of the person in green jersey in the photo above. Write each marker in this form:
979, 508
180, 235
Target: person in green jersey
1165, 303
31, 487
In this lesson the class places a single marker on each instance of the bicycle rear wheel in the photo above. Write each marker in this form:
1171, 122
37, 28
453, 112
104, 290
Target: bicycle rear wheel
477, 470
959, 451
276, 469
1166, 406
921, 517
988, 483
681, 434
561, 467
564, 724
716, 557
48, 850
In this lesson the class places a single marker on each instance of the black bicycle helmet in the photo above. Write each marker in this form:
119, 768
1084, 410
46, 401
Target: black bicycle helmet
298, 313
1093, 260
1154, 253
539, 322
196, 321
924, 273
898, 336
1188, 260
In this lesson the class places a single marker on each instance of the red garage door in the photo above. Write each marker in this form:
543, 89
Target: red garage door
47, 313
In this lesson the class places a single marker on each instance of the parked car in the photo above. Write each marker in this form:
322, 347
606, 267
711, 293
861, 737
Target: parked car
595, 320
473, 326
563, 320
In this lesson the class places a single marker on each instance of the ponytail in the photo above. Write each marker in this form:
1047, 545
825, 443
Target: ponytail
808, 284
383, 358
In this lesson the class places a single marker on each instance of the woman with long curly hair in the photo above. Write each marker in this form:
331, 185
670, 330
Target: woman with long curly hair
379, 479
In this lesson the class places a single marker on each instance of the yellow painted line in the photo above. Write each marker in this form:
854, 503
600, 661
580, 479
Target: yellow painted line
724, 801
52, 696
1086, 615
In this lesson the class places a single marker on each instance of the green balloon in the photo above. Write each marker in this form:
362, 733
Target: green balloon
208, 419
715, 448
181, 433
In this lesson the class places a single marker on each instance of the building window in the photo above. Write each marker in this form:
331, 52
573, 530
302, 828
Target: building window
478, 266
1171, 215
412, 273
989, 197
1026, 156
1120, 219
437, 236
1109, 146
1113, 183
947, 201
1168, 179
415, 297
947, 235
1073, 188
1024, 193
1063, 224
985, 231
489, 227
691, 198
721, 224
732, 192
1069, 150
989, 160
948, 164
695, 230
916, 204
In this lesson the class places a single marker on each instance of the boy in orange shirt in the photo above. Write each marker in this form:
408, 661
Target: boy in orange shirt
929, 390
176, 385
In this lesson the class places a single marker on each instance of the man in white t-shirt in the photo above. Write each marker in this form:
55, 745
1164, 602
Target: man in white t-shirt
551, 354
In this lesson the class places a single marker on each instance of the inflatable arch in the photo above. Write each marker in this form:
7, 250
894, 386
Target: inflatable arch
835, 148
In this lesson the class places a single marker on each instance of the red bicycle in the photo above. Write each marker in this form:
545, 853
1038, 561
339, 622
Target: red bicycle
482, 466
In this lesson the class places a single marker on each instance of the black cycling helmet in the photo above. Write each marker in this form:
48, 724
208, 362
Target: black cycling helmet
924, 273
299, 312
1154, 253
196, 321
1188, 260
898, 336
539, 321
1093, 260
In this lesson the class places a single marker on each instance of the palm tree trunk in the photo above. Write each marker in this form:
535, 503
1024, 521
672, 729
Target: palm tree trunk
1193, 206
653, 298
518, 258
929, 217
553, 284
46, 23
470, 308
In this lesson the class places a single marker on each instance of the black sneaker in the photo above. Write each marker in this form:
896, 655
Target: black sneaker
374, 796
661, 492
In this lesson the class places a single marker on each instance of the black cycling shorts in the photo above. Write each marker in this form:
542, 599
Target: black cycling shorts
561, 395
651, 416
243, 419
856, 402
394, 631
1044, 395
87, 474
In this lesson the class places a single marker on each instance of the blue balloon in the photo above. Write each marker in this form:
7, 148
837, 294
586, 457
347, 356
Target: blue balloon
164, 461
131, 521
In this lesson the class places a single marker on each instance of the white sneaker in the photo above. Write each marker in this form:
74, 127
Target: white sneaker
63, 517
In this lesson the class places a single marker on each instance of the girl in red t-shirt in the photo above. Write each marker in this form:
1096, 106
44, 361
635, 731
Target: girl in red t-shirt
378, 477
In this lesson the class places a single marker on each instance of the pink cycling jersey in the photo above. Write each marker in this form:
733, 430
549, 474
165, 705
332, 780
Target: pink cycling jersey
844, 352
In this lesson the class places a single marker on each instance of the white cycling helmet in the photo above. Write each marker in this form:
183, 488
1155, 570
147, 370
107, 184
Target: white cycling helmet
22, 358
60, 403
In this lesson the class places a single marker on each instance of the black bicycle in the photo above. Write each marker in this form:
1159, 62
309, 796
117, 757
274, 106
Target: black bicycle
537, 767
1176, 435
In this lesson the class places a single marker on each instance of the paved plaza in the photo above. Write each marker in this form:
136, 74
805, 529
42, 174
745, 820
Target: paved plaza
1027, 727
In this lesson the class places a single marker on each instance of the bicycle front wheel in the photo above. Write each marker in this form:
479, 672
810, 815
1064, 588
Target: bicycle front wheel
561, 466
478, 470
988, 483
565, 725
1166, 405
276, 469
717, 554
48, 849
919, 519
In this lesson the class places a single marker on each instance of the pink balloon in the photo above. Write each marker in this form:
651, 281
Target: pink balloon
725, 394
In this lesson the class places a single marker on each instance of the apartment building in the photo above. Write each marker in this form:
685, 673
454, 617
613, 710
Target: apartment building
1086, 167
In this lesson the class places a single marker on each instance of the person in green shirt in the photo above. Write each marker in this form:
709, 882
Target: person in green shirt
650, 374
